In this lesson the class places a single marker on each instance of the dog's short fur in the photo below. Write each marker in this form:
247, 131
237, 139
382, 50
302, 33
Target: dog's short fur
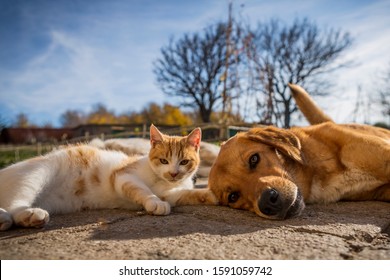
273, 171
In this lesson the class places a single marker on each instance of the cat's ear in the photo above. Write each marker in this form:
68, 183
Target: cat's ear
195, 137
155, 135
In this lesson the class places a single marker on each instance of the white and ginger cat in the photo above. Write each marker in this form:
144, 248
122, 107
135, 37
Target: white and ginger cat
84, 177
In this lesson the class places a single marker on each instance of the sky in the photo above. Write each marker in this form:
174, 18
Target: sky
72, 54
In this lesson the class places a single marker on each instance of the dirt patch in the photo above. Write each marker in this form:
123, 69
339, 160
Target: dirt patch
346, 230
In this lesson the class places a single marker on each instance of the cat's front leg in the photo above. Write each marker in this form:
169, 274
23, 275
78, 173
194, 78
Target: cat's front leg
156, 206
137, 191
190, 197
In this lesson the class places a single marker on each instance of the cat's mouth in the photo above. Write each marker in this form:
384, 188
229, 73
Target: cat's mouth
172, 179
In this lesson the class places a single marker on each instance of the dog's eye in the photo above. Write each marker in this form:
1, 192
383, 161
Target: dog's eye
233, 197
254, 160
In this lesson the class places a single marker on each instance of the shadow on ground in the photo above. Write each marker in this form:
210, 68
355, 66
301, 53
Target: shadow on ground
346, 230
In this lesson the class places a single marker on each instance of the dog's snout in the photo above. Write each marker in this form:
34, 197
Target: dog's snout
270, 202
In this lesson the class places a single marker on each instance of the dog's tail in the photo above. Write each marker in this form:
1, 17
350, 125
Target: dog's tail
308, 107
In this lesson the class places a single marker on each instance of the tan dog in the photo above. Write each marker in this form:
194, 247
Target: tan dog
273, 171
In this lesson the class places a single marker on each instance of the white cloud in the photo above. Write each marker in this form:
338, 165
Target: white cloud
74, 74
107, 53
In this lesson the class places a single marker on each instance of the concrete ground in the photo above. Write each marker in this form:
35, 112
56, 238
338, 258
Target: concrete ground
345, 230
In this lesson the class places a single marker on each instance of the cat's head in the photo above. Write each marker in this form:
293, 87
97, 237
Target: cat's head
174, 158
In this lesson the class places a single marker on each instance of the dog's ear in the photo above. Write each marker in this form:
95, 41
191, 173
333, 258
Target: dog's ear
281, 139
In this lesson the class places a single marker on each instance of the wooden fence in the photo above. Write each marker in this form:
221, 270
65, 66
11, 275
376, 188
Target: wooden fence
13, 153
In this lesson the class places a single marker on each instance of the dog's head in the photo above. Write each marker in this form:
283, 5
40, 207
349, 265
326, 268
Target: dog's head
253, 172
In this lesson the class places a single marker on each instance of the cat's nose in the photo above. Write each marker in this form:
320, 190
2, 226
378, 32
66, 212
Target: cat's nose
173, 174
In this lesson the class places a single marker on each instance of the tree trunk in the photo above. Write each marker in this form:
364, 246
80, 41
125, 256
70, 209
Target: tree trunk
287, 114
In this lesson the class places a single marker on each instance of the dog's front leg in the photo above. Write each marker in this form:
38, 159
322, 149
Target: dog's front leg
190, 197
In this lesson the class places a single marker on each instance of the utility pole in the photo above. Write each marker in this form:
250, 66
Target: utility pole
225, 95
361, 110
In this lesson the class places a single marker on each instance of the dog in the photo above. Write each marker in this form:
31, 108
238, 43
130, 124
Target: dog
273, 172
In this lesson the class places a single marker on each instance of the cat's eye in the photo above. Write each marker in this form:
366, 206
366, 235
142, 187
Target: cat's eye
254, 160
163, 161
184, 162
233, 197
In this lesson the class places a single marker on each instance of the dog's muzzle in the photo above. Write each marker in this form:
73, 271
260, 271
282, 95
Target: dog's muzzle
275, 206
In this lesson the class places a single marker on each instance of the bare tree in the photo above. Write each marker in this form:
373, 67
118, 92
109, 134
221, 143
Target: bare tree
22, 121
193, 69
3, 123
72, 118
298, 53
384, 95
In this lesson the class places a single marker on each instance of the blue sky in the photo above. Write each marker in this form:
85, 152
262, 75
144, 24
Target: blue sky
72, 54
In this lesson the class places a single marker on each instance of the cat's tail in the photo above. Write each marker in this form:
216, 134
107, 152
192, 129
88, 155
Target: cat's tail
308, 107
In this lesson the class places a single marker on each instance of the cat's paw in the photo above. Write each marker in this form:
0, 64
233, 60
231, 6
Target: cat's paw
5, 220
156, 206
31, 217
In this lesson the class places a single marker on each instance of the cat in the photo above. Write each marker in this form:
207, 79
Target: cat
83, 177
208, 152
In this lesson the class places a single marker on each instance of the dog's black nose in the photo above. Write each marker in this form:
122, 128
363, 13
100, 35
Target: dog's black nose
270, 202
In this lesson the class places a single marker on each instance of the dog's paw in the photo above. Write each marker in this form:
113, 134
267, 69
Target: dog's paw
31, 217
5, 220
206, 196
156, 206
